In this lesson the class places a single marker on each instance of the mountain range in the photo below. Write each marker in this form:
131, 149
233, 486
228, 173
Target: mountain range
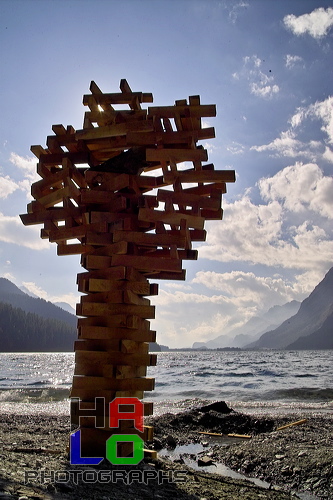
308, 325
31, 324
254, 328
310, 328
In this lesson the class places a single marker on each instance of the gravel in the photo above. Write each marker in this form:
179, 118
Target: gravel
295, 462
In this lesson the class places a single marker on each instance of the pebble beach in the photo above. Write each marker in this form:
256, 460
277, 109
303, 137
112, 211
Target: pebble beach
193, 446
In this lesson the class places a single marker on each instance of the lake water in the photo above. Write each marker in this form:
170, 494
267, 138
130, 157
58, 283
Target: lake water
251, 381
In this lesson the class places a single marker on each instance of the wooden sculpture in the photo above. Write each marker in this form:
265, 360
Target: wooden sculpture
121, 189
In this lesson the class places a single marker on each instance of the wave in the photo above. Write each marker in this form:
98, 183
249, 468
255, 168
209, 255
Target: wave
28, 395
302, 393
38, 382
269, 373
195, 393
204, 374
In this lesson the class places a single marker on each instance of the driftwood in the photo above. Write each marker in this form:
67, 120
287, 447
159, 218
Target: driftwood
299, 422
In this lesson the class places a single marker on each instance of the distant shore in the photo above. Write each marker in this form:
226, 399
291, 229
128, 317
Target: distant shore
295, 459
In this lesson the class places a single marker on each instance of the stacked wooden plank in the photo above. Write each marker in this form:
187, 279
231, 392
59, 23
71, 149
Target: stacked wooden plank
130, 193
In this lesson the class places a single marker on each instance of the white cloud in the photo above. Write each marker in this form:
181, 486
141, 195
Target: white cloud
205, 317
177, 286
324, 111
321, 110
292, 61
7, 186
35, 289
287, 232
238, 297
69, 298
179, 297
288, 144
13, 231
317, 23
235, 148
328, 155
235, 11
205, 124
300, 188
260, 293
261, 84
27, 165
254, 60
210, 147
261, 90
9, 277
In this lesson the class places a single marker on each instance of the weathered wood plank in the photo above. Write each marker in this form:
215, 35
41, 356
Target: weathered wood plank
181, 198
176, 155
204, 110
115, 358
104, 309
200, 176
171, 217
104, 332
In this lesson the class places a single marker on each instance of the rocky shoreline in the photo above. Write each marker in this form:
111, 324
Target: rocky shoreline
295, 462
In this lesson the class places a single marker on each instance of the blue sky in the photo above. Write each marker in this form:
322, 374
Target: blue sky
267, 65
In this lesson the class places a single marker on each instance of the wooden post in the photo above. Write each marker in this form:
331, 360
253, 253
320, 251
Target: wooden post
105, 188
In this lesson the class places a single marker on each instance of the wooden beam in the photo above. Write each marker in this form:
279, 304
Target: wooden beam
176, 155
171, 217
200, 176
104, 332
208, 110
115, 358
104, 309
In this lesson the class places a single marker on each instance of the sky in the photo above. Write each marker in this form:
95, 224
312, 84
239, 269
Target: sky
267, 66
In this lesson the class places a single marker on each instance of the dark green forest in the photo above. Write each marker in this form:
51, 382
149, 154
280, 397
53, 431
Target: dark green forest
38, 306
22, 331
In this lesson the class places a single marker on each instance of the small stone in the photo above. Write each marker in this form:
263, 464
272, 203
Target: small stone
319, 483
302, 453
286, 471
171, 441
157, 443
203, 461
280, 457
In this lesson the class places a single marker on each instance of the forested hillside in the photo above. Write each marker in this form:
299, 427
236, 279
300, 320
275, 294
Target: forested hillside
22, 331
11, 294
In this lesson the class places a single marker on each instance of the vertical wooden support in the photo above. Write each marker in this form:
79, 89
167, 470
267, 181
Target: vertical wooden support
128, 229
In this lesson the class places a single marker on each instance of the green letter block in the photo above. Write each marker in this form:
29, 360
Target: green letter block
111, 449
